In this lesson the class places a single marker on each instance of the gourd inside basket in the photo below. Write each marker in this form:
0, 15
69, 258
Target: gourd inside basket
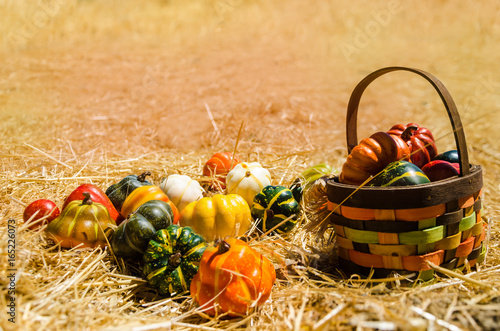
398, 229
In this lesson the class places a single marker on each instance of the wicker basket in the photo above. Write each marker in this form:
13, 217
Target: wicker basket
387, 229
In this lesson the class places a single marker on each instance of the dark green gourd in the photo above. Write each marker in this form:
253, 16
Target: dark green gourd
400, 173
274, 204
132, 236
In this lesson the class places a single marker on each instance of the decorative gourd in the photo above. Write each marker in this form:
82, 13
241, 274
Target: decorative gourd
400, 173
247, 179
157, 212
273, 205
172, 259
308, 177
82, 222
232, 278
450, 156
132, 236
217, 216
181, 190
440, 169
218, 166
96, 194
39, 209
419, 139
118, 192
315, 172
372, 155
297, 189
144, 194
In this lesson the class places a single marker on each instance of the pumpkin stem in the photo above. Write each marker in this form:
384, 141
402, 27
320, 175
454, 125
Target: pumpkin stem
408, 132
87, 200
142, 177
175, 260
248, 173
223, 248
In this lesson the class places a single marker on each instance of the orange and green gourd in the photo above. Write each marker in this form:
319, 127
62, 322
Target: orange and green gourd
82, 222
118, 192
172, 259
144, 194
132, 236
232, 278
272, 206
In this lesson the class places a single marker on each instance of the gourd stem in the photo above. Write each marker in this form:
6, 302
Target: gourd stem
223, 248
408, 132
248, 173
269, 214
142, 177
175, 260
87, 200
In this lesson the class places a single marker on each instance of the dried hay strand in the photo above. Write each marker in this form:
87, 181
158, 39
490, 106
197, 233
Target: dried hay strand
90, 98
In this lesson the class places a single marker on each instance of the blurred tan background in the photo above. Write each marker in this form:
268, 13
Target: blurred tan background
131, 77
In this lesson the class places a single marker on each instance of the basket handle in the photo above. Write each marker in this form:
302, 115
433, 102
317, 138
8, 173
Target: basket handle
451, 108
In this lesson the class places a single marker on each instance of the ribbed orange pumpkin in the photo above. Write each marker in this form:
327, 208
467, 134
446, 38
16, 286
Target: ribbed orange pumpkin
372, 155
232, 277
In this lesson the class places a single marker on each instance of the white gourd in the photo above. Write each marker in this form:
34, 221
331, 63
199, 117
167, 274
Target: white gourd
181, 190
247, 179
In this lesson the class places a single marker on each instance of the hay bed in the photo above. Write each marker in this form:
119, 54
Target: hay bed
75, 289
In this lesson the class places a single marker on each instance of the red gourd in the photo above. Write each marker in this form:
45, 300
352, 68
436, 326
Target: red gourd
96, 194
420, 141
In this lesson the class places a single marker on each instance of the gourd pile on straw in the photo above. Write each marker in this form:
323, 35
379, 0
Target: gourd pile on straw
93, 91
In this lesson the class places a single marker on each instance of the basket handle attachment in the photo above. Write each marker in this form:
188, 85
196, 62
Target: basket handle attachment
451, 108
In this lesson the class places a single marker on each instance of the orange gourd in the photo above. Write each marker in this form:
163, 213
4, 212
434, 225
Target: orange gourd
218, 166
144, 194
232, 277
372, 155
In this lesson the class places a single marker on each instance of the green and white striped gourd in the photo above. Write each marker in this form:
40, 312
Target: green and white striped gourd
172, 259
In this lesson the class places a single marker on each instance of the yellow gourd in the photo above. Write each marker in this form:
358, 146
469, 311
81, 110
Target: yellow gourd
218, 216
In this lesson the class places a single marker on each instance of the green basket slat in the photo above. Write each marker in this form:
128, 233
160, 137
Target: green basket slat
426, 236
467, 222
427, 223
422, 237
361, 236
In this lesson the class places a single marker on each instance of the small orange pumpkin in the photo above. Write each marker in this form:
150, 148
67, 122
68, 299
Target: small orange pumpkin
232, 277
372, 155
144, 194
218, 166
